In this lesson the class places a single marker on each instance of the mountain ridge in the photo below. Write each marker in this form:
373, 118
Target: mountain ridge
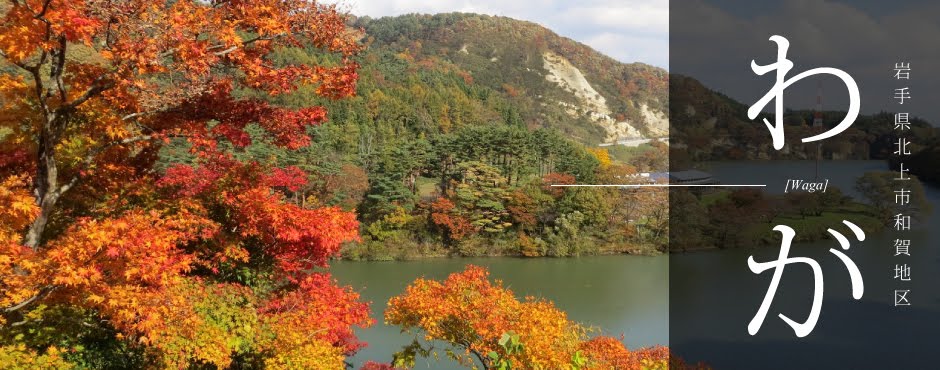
555, 81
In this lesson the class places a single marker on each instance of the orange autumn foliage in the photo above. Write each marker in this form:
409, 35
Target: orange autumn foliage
607, 352
208, 262
290, 318
556, 179
472, 314
455, 226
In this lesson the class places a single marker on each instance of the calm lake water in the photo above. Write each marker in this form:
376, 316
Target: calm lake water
714, 295
620, 294
630, 294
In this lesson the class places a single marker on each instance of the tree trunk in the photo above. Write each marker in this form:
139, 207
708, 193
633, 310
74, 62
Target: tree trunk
46, 183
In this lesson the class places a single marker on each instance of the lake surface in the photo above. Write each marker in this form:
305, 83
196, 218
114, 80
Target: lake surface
620, 294
631, 294
714, 294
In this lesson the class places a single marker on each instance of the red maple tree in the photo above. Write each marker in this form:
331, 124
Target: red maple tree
204, 262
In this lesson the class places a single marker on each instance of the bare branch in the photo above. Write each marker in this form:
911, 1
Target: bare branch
37, 80
44, 291
93, 91
45, 7
90, 157
244, 44
58, 69
16, 63
144, 113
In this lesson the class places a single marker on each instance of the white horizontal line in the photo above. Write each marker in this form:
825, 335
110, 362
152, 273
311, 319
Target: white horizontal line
654, 186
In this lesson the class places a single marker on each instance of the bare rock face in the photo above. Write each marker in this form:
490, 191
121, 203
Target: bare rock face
548, 80
570, 78
593, 105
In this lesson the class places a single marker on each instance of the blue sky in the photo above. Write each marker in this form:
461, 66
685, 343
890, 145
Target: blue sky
628, 30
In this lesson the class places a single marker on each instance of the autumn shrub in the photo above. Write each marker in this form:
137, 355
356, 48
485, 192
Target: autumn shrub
475, 246
531, 246
471, 313
505, 244
486, 326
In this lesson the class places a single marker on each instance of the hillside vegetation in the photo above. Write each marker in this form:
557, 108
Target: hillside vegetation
550, 80
457, 132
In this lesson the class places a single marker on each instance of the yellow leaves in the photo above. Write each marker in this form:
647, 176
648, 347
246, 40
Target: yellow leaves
131, 272
17, 208
602, 156
116, 131
469, 311
20, 34
185, 322
98, 117
605, 352
114, 265
11, 85
18, 357
231, 252
17, 211
137, 247
236, 253
318, 355
194, 321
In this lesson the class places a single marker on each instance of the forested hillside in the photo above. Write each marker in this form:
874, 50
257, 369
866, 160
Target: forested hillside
706, 125
456, 133
461, 123
550, 81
